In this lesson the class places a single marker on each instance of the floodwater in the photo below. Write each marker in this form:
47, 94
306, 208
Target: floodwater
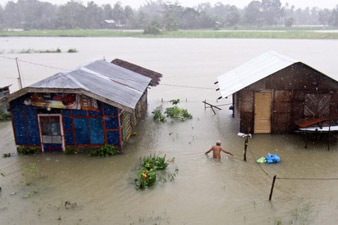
205, 191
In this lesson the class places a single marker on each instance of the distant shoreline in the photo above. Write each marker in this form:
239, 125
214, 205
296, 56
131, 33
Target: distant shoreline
291, 33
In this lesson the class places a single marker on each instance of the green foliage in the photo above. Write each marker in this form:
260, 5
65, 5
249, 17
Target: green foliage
150, 171
178, 113
152, 28
175, 101
26, 150
70, 151
6, 155
158, 116
72, 50
31, 173
105, 151
4, 116
154, 162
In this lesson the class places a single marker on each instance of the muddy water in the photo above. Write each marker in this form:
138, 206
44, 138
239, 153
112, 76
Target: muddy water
205, 191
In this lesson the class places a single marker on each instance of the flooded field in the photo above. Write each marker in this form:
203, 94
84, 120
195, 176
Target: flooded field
205, 191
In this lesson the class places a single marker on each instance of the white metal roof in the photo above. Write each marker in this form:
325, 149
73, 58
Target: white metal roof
105, 81
252, 71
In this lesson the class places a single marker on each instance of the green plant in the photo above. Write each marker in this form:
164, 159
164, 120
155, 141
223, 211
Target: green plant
177, 113
145, 178
175, 101
70, 151
31, 173
25, 150
152, 169
3, 176
4, 116
72, 50
104, 151
6, 155
158, 116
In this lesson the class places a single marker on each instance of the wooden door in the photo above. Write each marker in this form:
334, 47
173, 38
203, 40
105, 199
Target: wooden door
262, 124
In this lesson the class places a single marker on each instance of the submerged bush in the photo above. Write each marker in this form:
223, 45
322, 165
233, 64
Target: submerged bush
178, 113
152, 168
26, 150
158, 116
104, 151
70, 151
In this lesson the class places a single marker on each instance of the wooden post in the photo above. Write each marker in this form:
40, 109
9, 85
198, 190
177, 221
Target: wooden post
245, 146
272, 186
329, 133
18, 68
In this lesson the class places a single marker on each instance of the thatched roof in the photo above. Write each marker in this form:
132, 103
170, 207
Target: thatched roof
155, 77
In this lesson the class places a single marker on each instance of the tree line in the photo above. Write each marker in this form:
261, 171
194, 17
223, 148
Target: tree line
35, 14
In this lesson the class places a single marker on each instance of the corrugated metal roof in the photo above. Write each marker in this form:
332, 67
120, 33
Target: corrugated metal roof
252, 71
108, 82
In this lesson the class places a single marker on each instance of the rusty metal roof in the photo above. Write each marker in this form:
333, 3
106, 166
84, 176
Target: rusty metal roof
254, 70
155, 76
101, 80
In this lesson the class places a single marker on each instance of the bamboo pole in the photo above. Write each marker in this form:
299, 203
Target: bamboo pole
272, 186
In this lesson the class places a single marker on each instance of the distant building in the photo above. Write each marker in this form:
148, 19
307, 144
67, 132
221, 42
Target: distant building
275, 94
98, 104
4, 93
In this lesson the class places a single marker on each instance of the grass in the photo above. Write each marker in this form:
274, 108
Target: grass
242, 32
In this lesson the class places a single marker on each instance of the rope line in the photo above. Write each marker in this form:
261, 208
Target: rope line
184, 86
259, 165
36, 64
303, 178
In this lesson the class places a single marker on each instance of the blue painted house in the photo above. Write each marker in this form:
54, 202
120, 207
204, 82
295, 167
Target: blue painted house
97, 104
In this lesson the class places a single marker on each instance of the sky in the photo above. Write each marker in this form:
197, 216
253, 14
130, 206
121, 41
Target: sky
239, 3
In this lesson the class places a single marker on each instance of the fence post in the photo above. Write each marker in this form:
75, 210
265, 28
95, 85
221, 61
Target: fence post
272, 186
245, 146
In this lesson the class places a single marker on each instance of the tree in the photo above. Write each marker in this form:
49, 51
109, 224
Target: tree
334, 17
253, 13
152, 28
289, 21
272, 11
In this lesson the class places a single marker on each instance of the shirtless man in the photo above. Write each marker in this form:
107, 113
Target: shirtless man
216, 150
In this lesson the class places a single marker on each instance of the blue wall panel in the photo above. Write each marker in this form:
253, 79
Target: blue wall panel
109, 110
67, 123
66, 112
69, 138
19, 121
111, 122
81, 131
96, 131
113, 138
96, 113
79, 113
32, 125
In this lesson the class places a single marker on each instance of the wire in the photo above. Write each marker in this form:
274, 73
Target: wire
36, 64
184, 86
295, 178
266, 173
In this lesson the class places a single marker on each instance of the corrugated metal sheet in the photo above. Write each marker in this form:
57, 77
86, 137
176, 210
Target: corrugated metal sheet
252, 71
100, 79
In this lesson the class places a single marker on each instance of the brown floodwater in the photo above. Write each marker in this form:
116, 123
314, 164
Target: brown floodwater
205, 191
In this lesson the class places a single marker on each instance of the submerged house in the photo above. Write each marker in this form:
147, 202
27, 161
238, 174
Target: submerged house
4, 93
97, 104
273, 93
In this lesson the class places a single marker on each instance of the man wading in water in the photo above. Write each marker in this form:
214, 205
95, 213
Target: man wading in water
216, 150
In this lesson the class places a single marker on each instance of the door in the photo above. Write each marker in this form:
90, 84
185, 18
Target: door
262, 124
51, 133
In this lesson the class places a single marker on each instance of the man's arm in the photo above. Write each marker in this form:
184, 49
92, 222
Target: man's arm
223, 150
208, 151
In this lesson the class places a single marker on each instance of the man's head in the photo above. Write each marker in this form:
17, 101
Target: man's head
218, 143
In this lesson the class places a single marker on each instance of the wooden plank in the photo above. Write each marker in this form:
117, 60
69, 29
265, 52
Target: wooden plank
262, 121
